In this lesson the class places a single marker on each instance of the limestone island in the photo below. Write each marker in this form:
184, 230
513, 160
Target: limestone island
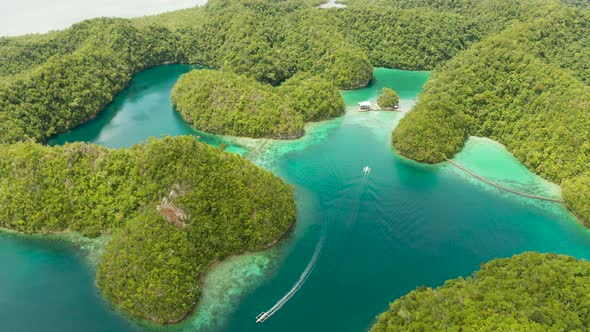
174, 206
528, 292
230, 104
514, 71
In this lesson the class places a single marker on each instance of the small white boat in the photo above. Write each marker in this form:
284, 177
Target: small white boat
262, 317
367, 170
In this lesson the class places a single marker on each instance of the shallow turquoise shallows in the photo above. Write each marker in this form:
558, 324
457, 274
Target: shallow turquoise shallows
361, 241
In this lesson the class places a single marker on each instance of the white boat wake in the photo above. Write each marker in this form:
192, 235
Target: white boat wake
304, 276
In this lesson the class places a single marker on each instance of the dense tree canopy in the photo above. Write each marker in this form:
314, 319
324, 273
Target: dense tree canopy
231, 104
408, 39
270, 41
388, 99
421, 34
69, 88
577, 3
515, 71
528, 292
151, 269
80, 69
524, 88
172, 196
316, 98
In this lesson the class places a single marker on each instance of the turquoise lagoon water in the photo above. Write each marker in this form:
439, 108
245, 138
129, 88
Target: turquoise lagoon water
403, 226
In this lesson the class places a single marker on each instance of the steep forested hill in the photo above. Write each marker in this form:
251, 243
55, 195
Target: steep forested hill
52, 83
79, 70
175, 205
231, 104
528, 292
515, 71
527, 88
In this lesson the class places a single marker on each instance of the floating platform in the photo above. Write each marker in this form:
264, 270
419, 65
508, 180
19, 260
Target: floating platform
366, 106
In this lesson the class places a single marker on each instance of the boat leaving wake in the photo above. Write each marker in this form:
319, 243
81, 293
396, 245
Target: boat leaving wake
353, 195
304, 276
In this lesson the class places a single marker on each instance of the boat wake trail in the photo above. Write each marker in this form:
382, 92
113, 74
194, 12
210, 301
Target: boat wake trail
350, 197
304, 276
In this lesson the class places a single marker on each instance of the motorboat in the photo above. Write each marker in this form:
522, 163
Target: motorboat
262, 317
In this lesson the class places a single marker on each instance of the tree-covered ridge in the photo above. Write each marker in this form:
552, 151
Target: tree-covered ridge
315, 97
137, 46
76, 187
273, 40
230, 104
151, 270
514, 89
270, 41
178, 194
84, 187
267, 40
479, 19
560, 39
69, 89
63, 93
528, 292
413, 39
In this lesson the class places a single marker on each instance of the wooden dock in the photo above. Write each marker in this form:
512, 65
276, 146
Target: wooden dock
373, 108
366, 109
477, 176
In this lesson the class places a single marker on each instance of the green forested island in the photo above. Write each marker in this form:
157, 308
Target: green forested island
526, 87
231, 104
388, 99
227, 103
80, 69
528, 292
174, 206
54, 82
514, 71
